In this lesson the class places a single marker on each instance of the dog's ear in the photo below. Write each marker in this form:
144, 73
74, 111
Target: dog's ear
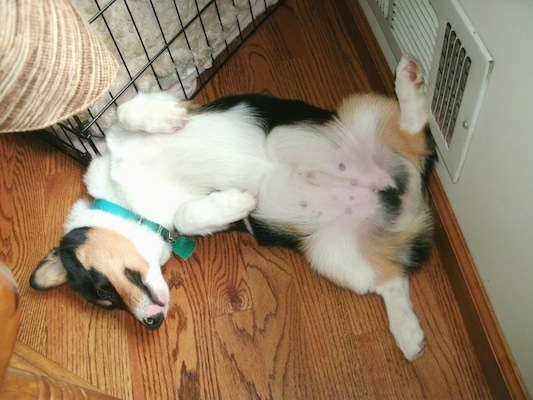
49, 273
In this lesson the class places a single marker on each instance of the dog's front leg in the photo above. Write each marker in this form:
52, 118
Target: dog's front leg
403, 322
214, 212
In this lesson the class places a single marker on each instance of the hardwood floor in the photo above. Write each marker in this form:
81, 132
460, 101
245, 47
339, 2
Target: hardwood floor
245, 321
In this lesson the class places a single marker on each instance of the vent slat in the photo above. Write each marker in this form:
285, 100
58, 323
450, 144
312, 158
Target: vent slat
418, 23
408, 42
384, 7
414, 25
415, 37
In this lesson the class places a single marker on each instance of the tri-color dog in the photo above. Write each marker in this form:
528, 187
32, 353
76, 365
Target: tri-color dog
345, 187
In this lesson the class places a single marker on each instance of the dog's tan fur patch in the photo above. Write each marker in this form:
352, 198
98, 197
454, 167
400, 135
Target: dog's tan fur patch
111, 253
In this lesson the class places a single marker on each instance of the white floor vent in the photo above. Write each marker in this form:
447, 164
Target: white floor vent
455, 60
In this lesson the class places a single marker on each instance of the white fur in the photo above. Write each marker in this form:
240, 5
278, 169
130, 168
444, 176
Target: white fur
175, 189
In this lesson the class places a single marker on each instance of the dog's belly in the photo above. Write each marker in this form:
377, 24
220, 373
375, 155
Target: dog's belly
313, 181
304, 198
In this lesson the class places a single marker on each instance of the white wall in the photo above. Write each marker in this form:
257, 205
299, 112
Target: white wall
493, 199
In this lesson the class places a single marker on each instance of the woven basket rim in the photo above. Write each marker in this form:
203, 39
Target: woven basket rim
52, 66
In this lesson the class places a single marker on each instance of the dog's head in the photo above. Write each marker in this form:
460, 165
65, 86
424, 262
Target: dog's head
115, 264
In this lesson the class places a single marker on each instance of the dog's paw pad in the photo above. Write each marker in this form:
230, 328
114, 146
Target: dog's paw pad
167, 117
175, 119
409, 77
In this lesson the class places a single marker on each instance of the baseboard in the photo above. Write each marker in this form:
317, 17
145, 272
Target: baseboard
501, 374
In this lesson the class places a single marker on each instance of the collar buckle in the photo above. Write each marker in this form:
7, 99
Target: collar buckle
170, 237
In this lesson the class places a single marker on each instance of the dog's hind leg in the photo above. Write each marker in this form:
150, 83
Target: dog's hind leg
410, 90
332, 253
214, 212
403, 322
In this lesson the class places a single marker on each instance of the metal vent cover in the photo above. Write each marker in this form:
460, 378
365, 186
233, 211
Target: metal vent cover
458, 80
456, 62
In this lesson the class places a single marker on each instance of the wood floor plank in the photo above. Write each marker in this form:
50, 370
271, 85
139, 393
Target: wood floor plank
245, 322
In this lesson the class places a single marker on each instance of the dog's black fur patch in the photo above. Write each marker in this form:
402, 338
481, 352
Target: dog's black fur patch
267, 236
400, 176
391, 203
430, 161
419, 250
135, 278
272, 111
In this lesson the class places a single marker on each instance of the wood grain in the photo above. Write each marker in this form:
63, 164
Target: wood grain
245, 321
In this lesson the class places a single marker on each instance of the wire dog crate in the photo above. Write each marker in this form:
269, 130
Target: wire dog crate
176, 45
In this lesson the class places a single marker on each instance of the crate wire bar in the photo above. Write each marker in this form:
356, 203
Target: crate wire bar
233, 21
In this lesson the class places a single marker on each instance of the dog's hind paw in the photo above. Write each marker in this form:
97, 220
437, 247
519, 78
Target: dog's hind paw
153, 113
403, 322
410, 339
410, 90
409, 77
172, 118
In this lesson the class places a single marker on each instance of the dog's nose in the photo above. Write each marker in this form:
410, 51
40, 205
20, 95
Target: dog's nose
154, 321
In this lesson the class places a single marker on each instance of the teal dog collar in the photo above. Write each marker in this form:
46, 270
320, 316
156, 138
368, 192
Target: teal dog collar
182, 246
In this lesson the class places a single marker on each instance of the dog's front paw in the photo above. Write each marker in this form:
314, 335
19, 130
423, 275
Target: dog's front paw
214, 212
153, 113
234, 204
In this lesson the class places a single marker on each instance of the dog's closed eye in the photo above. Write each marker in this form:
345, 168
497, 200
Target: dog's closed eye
136, 279
105, 294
